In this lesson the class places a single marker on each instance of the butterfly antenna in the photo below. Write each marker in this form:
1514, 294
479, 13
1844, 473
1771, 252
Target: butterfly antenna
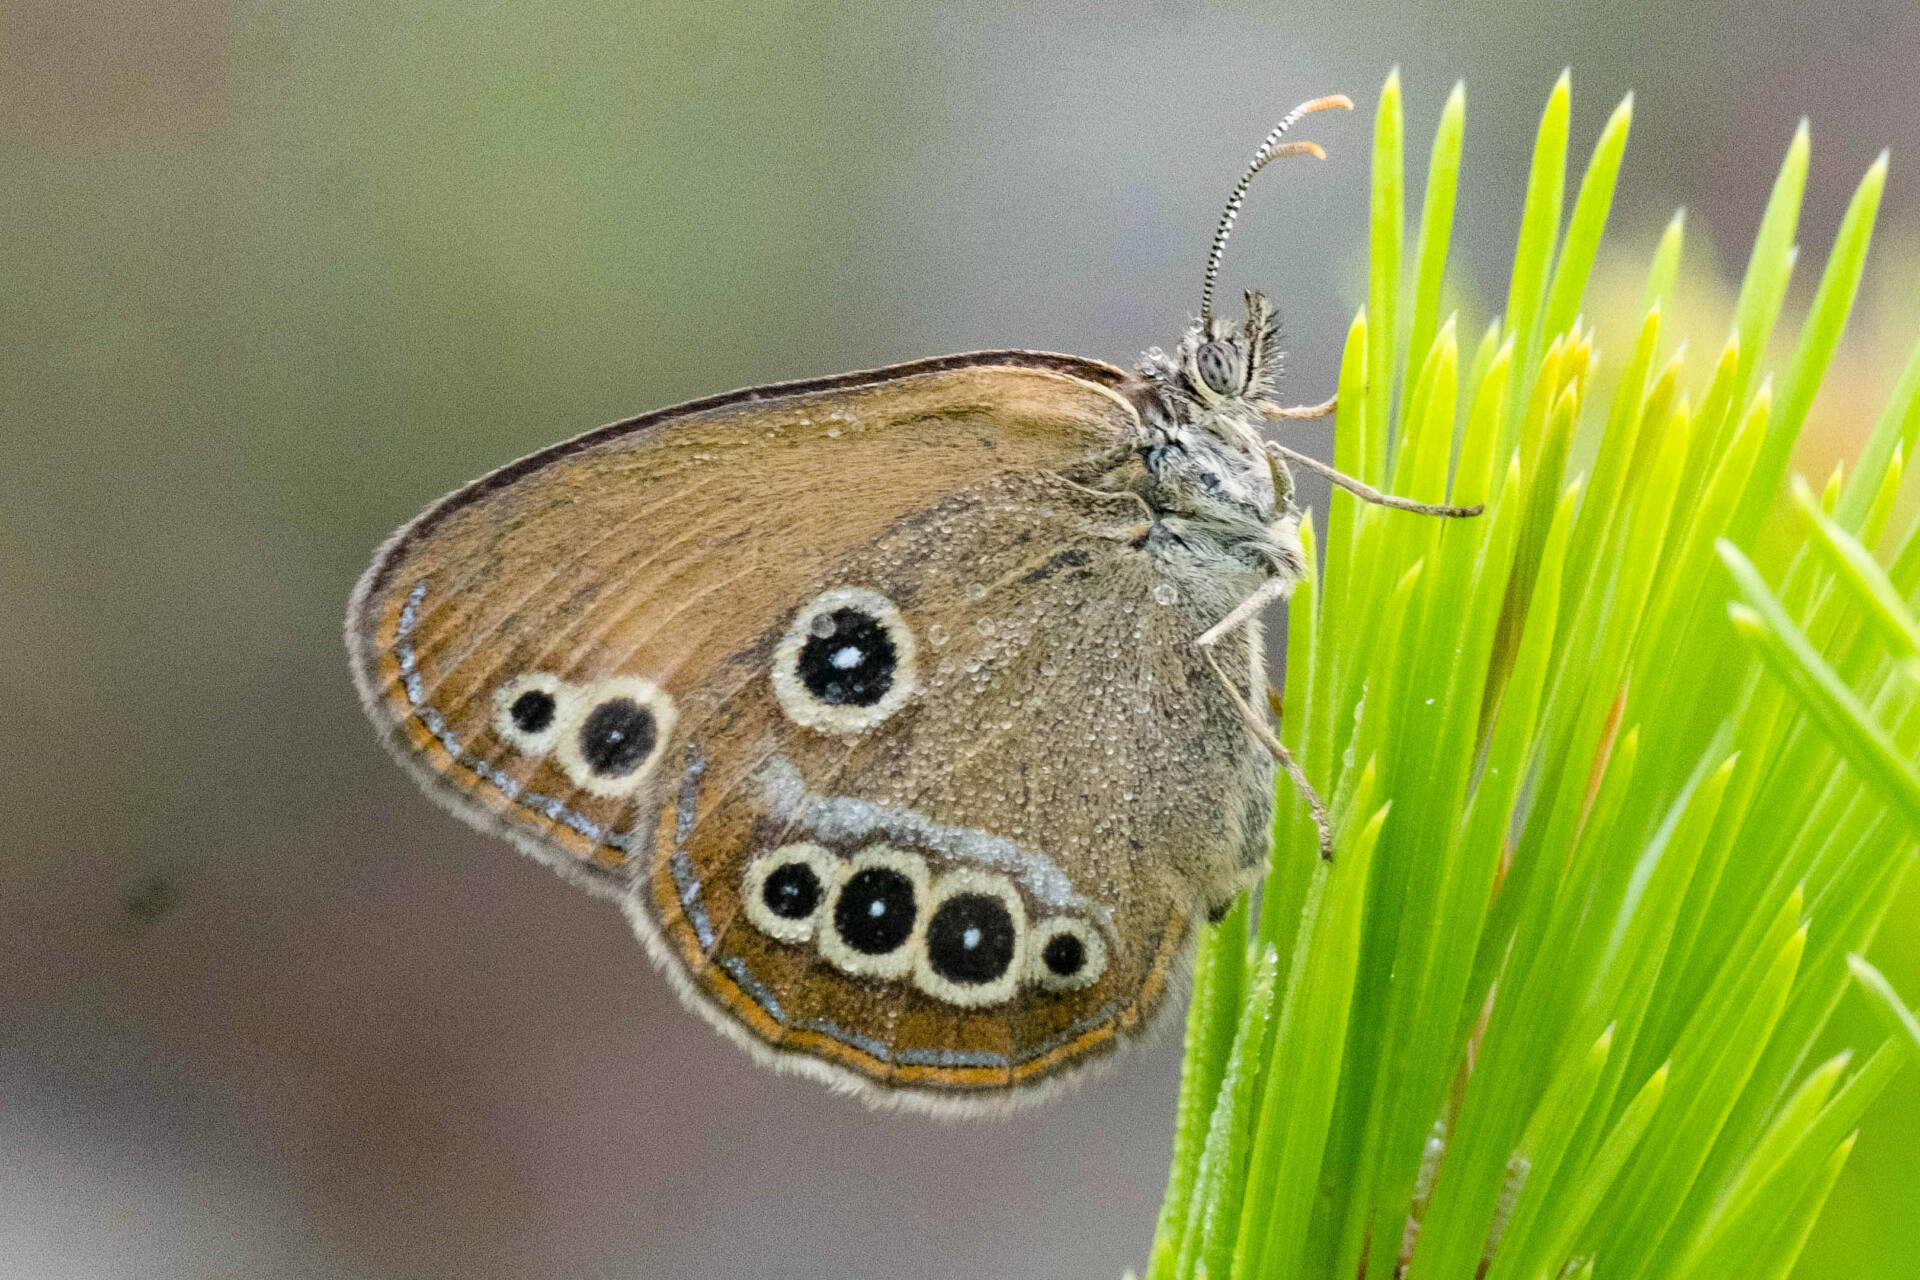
1270, 150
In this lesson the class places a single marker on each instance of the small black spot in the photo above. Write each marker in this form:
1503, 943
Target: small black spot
1064, 954
971, 938
875, 912
617, 737
791, 891
532, 711
853, 663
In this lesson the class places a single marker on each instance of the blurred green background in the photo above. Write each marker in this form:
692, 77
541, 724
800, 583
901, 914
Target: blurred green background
277, 275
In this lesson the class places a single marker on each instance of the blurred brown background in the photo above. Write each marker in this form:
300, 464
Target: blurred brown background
276, 275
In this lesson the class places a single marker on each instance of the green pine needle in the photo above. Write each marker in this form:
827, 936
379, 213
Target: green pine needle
1899, 1019
1614, 814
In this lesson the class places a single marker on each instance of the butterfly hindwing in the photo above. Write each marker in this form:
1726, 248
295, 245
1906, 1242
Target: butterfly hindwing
877, 715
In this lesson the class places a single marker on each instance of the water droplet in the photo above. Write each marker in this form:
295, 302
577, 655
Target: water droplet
1165, 593
822, 625
936, 635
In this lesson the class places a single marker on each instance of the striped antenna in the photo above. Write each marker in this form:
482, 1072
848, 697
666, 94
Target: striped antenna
1270, 150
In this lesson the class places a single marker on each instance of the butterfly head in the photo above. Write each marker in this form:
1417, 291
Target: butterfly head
1221, 367
1205, 404
1221, 377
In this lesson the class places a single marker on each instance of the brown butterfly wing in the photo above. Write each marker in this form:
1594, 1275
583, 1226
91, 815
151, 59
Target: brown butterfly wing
645, 575
1061, 740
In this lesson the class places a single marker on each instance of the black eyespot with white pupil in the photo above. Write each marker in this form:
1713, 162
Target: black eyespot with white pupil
846, 662
533, 711
848, 658
874, 914
1064, 955
971, 938
1219, 366
616, 737
791, 891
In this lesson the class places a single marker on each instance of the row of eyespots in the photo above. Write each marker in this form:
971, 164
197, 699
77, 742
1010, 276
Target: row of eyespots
963, 937
845, 663
606, 735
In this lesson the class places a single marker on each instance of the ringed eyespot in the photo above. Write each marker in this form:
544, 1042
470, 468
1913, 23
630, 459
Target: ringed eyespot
615, 734
1066, 954
876, 913
786, 888
528, 711
845, 663
975, 944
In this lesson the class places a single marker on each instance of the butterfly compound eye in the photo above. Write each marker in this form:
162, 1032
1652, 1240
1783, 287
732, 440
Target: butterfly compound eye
786, 889
1219, 366
846, 663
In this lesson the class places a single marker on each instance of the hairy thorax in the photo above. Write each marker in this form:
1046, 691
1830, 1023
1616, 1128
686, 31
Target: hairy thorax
1220, 505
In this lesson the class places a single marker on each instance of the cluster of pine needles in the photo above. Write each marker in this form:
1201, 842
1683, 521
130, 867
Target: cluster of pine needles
1616, 806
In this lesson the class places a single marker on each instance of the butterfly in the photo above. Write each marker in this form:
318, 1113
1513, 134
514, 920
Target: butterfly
900, 711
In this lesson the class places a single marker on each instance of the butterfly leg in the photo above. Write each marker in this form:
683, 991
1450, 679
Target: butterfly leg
1366, 492
1274, 588
1306, 412
1258, 723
